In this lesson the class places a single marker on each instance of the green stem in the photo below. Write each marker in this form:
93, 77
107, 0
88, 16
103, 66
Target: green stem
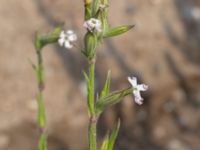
92, 137
92, 133
41, 116
91, 101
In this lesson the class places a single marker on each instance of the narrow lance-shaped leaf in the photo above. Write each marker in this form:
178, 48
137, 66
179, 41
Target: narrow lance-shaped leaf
90, 89
106, 88
113, 137
95, 7
117, 31
86, 76
104, 15
88, 4
111, 99
104, 145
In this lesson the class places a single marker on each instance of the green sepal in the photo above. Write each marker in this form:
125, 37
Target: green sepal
90, 89
111, 99
104, 16
43, 142
117, 31
90, 45
95, 8
113, 137
106, 88
88, 11
42, 40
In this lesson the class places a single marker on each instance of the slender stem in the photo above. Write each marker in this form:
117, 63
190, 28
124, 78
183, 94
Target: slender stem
91, 100
91, 106
41, 116
92, 133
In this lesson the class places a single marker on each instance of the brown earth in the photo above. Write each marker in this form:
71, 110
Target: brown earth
162, 50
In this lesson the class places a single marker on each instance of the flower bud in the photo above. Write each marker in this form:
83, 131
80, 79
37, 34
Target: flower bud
90, 45
48, 38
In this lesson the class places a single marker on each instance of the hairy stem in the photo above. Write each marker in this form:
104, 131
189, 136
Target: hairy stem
91, 107
41, 117
91, 100
92, 137
92, 133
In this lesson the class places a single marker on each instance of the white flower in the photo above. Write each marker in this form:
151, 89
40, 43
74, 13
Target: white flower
93, 25
136, 89
67, 38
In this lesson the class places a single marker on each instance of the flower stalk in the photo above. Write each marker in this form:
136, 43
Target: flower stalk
39, 42
41, 116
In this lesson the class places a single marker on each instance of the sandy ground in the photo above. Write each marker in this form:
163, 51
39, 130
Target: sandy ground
162, 50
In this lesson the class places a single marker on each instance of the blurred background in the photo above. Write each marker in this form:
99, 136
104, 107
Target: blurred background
163, 51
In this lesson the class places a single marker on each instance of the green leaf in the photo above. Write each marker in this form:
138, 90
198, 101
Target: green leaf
113, 137
104, 16
95, 7
90, 89
117, 31
88, 10
86, 76
106, 88
48, 38
43, 142
32, 65
105, 143
111, 99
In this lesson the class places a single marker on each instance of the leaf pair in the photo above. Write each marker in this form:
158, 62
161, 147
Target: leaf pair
106, 98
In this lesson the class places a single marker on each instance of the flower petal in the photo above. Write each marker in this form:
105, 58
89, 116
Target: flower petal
138, 98
133, 81
70, 32
72, 37
142, 87
93, 25
62, 34
85, 25
61, 41
68, 45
